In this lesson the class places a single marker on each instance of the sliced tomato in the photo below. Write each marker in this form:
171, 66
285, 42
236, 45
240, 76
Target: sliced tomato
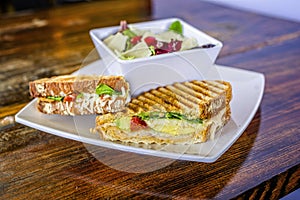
137, 123
70, 98
150, 41
135, 40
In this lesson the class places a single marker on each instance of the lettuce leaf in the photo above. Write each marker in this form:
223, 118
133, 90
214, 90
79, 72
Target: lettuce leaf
176, 27
55, 98
129, 33
105, 89
123, 57
167, 115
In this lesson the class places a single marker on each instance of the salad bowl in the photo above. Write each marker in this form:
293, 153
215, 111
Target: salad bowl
186, 65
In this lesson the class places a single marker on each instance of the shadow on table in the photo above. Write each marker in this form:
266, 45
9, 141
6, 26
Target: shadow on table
174, 180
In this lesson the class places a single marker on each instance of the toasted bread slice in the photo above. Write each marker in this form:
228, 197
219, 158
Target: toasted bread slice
203, 99
63, 85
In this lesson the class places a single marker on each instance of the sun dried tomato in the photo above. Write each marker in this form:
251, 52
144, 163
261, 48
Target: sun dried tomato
137, 123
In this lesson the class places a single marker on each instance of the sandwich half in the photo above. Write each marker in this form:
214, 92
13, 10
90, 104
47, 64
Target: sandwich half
80, 95
187, 112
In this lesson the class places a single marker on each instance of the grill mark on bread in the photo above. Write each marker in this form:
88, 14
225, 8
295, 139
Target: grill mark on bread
183, 92
218, 84
183, 103
200, 87
154, 96
150, 104
191, 98
201, 91
217, 87
223, 87
190, 92
167, 99
211, 86
228, 91
137, 106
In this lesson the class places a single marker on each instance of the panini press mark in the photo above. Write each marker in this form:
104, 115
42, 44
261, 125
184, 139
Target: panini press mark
182, 101
210, 88
186, 92
151, 104
206, 95
160, 101
191, 92
178, 96
218, 84
141, 104
166, 99
225, 88
202, 87
133, 107
215, 86
136, 105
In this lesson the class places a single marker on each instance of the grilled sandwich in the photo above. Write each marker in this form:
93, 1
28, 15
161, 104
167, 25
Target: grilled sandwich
80, 95
187, 112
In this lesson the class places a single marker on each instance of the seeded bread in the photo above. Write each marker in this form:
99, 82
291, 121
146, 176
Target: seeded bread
58, 85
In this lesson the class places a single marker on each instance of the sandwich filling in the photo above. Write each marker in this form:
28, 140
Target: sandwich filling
104, 98
165, 122
160, 129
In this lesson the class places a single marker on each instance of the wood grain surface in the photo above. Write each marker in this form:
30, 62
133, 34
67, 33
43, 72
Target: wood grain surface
262, 164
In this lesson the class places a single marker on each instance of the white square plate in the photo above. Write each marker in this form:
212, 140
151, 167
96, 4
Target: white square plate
248, 89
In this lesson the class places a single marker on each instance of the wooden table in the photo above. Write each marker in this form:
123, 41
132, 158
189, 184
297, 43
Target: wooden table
262, 164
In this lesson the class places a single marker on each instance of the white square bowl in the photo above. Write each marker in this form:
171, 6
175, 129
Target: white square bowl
149, 72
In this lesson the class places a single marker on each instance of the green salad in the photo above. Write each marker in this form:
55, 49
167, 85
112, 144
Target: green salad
130, 42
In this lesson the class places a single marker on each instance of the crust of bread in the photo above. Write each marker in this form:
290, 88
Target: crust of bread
58, 85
